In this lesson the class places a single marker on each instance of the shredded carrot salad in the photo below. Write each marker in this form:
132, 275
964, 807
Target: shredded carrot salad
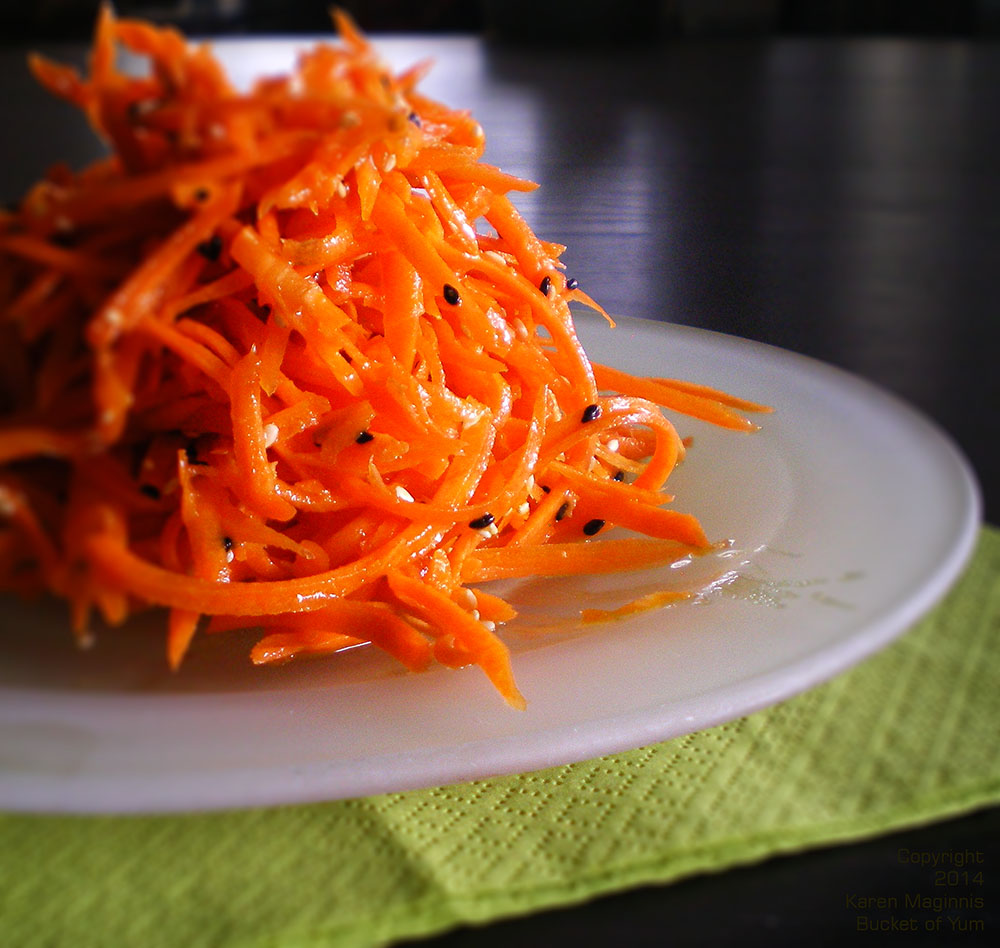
290, 359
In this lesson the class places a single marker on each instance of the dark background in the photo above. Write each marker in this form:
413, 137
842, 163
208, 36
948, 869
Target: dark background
555, 21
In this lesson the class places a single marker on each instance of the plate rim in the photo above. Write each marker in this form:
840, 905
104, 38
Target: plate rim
313, 781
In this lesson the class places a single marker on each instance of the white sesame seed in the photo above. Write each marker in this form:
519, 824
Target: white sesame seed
390, 162
524, 509
489, 626
470, 597
403, 494
475, 614
613, 444
270, 435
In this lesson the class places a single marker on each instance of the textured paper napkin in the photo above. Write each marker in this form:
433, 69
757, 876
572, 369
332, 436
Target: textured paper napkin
909, 736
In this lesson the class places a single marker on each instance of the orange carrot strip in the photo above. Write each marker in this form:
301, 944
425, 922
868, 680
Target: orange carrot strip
224, 287
301, 302
655, 600
279, 647
14, 506
86, 207
181, 628
713, 394
403, 308
341, 625
191, 350
698, 405
142, 291
259, 485
19, 443
58, 258
514, 230
436, 607
569, 559
622, 504
156, 585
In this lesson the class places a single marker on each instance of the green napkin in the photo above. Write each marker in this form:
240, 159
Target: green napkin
908, 736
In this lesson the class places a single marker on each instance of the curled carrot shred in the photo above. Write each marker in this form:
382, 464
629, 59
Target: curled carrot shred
290, 359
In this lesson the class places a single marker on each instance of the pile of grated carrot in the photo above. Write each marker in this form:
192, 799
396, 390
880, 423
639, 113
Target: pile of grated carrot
290, 359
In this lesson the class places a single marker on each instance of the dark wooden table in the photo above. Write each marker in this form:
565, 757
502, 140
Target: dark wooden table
837, 198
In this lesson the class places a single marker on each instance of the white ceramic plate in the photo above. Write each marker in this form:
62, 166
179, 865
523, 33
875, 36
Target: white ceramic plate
850, 516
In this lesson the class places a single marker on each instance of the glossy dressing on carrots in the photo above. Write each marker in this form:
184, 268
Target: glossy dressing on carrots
291, 359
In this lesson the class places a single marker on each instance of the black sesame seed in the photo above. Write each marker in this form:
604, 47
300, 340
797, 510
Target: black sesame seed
572, 283
620, 476
364, 437
202, 194
191, 453
481, 523
591, 413
546, 489
562, 511
211, 249
545, 285
227, 542
413, 117
592, 526
451, 295
150, 490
